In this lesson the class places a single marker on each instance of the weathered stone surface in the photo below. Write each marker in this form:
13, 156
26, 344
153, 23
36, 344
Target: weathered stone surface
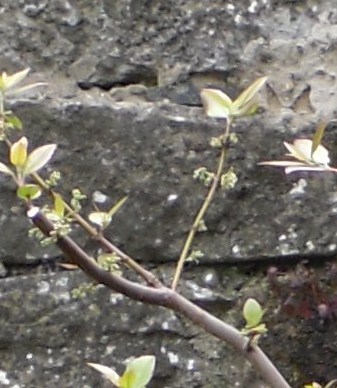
149, 151
123, 106
118, 142
48, 339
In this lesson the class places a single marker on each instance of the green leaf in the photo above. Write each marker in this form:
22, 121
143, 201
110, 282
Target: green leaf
59, 205
246, 102
39, 158
26, 87
13, 121
107, 372
316, 140
18, 152
5, 169
116, 207
102, 219
216, 103
252, 313
138, 373
299, 150
28, 192
9, 81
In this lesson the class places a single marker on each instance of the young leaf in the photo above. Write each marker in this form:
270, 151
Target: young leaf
5, 169
59, 205
301, 150
107, 372
117, 206
102, 219
39, 158
28, 192
18, 152
9, 81
247, 99
138, 372
26, 87
216, 103
13, 121
316, 140
252, 312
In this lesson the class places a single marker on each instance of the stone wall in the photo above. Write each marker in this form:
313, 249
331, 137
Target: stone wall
123, 106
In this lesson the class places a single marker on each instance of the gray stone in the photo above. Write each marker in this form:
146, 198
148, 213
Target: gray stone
49, 339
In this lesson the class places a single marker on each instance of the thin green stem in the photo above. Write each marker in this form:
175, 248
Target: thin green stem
2, 108
201, 214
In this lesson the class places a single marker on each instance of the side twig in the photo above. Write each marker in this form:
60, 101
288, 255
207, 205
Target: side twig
201, 214
150, 279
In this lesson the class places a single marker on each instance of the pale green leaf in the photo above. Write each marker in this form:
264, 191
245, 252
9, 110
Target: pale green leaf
5, 169
18, 152
300, 149
138, 372
107, 372
252, 312
114, 209
316, 140
102, 219
39, 158
321, 156
13, 121
59, 207
25, 88
246, 101
9, 81
260, 329
216, 103
28, 192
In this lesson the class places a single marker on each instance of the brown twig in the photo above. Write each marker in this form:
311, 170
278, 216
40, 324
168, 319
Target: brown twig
150, 279
162, 296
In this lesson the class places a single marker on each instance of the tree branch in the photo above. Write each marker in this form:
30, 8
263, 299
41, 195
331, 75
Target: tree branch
162, 296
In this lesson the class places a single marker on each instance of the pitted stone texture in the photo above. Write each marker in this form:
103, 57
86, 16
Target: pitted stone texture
49, 339
149, 152
175, 47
